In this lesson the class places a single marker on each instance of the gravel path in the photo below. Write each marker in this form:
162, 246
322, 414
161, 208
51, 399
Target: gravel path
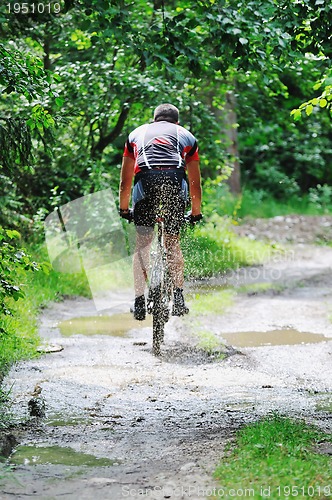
165, 422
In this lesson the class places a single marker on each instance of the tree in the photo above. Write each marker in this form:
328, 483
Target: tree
98, 68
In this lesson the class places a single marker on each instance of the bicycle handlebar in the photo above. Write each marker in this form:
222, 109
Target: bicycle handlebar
188, 218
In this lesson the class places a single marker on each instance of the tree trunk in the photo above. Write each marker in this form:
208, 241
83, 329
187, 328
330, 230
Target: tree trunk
47, 61
104, 141
234, 181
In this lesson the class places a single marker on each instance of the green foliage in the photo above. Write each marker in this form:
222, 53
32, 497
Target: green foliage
32, 291
12, 260
15, 265
277, 155
22, 73
53, 286
277, 453
322, 101
76, 81
321, 197
260, 203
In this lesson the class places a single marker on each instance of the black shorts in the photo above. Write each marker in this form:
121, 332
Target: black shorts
160, 192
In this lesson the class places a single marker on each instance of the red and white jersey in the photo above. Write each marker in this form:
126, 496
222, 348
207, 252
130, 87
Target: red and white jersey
161, 144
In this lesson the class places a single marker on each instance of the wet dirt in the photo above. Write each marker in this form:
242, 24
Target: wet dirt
164, 422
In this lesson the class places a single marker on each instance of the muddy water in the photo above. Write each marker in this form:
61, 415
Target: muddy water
56, 455
115, 325
121, 324
287, 336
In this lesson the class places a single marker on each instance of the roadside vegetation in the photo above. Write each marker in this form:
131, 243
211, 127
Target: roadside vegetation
260, 203
27, 287
276, 457
211, 248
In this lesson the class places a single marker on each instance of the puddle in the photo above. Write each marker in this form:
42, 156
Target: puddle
59, 421
287, 336
325, 403
117, 325
56, 455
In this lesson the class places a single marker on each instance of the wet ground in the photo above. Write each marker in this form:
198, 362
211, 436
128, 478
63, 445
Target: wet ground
121, 423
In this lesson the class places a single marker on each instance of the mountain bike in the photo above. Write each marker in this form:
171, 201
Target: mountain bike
160, 284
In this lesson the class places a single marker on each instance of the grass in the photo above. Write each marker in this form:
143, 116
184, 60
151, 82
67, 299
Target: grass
204, 304
276, 455
257, 203
211, 303
260, 288
209, 342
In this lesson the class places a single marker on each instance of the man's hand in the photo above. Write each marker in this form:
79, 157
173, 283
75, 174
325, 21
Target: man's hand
127, 214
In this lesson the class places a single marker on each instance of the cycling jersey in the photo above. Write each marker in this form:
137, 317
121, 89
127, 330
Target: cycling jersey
161, 145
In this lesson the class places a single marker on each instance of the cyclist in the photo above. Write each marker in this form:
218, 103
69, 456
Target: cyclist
158, 155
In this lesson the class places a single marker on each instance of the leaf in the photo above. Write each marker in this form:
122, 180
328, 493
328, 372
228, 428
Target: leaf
31, 123
323, 103
309, 109
296, 113
46, 267
12, 234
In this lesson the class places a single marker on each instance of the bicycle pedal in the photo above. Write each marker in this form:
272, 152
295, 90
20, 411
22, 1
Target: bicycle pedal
149, 307
166, 314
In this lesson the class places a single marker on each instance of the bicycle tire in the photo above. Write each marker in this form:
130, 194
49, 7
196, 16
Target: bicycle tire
159, 295
158, 322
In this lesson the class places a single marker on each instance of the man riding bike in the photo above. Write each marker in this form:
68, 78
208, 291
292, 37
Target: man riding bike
158, 155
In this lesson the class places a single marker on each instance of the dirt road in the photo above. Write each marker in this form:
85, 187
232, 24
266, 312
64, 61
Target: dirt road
121, 423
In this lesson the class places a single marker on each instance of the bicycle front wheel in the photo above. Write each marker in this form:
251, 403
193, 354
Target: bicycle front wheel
158, 322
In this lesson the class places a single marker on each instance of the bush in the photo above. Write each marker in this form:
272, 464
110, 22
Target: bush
15, 265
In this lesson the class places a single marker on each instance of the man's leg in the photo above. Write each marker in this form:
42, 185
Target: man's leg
176, 267
141, 259
175, 207
175, 259
144, 237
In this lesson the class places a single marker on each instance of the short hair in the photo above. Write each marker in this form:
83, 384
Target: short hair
166, 112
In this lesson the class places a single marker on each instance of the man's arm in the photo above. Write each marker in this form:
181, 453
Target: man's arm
195, 189
126, 179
